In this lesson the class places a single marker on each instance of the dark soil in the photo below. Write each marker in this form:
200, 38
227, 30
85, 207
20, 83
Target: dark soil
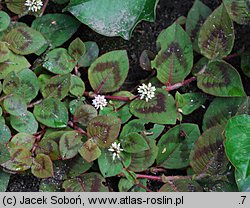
144, 38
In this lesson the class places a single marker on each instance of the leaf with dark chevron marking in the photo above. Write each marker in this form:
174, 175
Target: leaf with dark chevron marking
4, 52
175, 59
221, 79
24, 40
208, 155
195, 19
58, 61
57, 86
42, 166
161, 109
109, 71
217, 36
89, 182
51, 112
181, 185
104, 129
239, 10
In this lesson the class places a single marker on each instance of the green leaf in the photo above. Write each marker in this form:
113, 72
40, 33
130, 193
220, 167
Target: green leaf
76, 49
90, 151
208, 155
89, 182
5, 177
181, 185
134, 142
5, 134
77, 166
122, 113
56, 28
238, 10
195, 19
29, 85
110, 167
142, 160
4, 51
69, 144
22, 140
161, 109
58, 61
108, 72
4, 153
42, 166
57, 87
25, 123
52, 113
77, 86
17, 7
221, 110
48, 147
220, 79
13, 63
125, 185
216, 38
24, 40
15, 105
92, 52
189, 102
84, 113
4, 21
242, 183
175, 59
175, 146
104, 129
245, 63
237, 144
11, 83
113, 17
21, 160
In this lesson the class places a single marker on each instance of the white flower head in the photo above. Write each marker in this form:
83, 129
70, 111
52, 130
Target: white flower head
99, 102
116, 150
146, 91
34, 5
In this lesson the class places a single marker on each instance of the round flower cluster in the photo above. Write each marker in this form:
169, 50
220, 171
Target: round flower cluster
146, 91
34, 5
116, 150
99, 102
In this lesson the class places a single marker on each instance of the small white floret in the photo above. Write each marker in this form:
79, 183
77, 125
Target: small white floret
99, 102
146, 91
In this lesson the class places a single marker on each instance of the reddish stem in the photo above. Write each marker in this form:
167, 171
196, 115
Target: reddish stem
4, 97
110, 97
81, 131
180, 84
38, 139
232, 56
44, 7
31, 105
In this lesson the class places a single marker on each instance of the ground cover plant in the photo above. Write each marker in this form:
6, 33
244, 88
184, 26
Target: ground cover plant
70, 119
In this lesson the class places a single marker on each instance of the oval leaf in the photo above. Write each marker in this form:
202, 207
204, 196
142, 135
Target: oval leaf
4, 21
69, 144
181, 185
104, 129
238, 10
237, 143
24, 40
84, 113
113, 17
56, 28
90, 151
175, 59
89, 182
57, 86
42, 166
216, 38
52, 113
208, 155
220, 79
77, 86
15, 105
161, 109
175, 146
25, 123
109, 71
58, 61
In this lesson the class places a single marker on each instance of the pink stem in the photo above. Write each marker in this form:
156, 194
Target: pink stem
180, 84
